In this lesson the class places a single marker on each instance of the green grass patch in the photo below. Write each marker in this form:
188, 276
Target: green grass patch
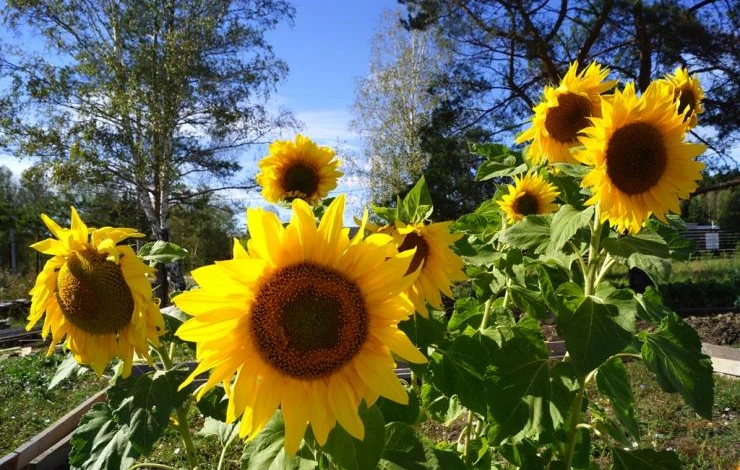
27, 406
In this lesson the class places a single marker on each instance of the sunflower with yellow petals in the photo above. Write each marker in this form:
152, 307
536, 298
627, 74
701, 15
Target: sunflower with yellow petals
304, 319
298, 170
564, 113
529, 195
641, 164
687, 94
437, 264
94, 295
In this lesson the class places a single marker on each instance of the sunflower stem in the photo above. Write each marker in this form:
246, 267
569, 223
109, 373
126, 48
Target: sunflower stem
468, 436
151, 465
593, 254
183, 425
226, 446
486, 314
575, 420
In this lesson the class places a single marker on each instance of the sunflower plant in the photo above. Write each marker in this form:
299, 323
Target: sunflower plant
407, 342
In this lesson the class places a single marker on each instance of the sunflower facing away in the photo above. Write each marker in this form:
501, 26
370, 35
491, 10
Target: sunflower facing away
564, 113
299, 169
529, 195
687, 94
438, 265
305, 319
95, 294
641, 164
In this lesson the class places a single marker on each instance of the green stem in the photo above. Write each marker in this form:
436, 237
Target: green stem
581, 262
227, 444
608, 263
486, 314
151, 465
593, 254
183, 425
468, 436
575, 419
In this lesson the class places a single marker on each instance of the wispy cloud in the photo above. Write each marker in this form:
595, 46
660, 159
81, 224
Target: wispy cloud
14, 164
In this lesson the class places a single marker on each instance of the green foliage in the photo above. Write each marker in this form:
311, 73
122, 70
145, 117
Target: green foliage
161, 252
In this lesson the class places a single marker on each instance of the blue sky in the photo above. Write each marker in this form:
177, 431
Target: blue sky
327, 49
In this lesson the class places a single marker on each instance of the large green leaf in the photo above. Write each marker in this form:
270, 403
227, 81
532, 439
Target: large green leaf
392, 411
468, 312
162, 252
417, 205
644, 243
405, 449
214, 403
101, 443
566, 222
529, 301
644, 459
460, 370
173, 318
500, 161
519, 391
349, 453
533, 232
612, 381
673, 354
266, 451
591, 334
223, 431
425, 331
67, 369
144, 403
659, 269
650, 306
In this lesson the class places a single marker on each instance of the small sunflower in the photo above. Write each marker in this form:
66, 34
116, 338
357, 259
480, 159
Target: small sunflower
529, 195
437, 264
564, 113
299, 169
641, 164
687, 94
305, 319
95, 294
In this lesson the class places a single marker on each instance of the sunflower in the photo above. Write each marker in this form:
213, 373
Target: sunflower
437, 264
299, 169
529, 195
95, 294
687, 94
564, 113
306, 319
641, 164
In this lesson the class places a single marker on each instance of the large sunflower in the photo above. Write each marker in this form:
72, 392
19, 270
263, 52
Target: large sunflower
95, 294
299, 169
564, 113
305, 320
641, 163
437, 264
529, 195
687, 94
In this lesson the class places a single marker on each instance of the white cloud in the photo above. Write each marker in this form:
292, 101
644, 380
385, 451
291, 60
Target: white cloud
14, 164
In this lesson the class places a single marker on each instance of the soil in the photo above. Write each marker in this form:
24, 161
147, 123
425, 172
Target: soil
722, 329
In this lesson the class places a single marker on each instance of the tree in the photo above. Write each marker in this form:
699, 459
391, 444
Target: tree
392, 104
504, 52
143, 95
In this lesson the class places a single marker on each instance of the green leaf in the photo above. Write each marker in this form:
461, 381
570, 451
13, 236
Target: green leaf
591, 334
144, 403
162, 252
388, 214
524, 455
644, 243
570, 188
266, 451
393, 411
659, 269
460, 369
214, 403
425, 331
650, 306
405, 449
349, 453
500, 161
417, 205
518, 391
566, 222
644, 459
223, 431
468, 312
101, 443
173, 318
673, 354
529, 301
66, 369
612, 381
533, 232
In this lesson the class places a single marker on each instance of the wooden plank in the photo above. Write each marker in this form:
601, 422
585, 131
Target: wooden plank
55, 458
43, 441
9, 462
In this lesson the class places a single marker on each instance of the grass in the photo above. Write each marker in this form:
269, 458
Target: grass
28, 407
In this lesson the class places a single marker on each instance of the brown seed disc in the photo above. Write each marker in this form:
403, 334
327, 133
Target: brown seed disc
308, 320
568, 118
635, 157
93, 293
300, 180
526, 204
414, 240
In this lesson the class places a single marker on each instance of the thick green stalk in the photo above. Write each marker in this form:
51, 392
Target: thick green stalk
575, 419
183, 425
594, 255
